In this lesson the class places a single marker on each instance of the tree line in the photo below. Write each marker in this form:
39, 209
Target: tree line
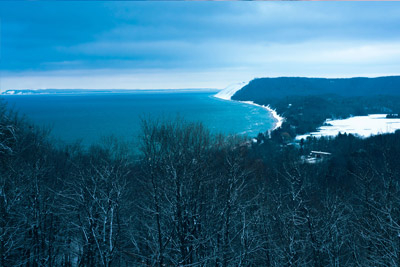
185, 197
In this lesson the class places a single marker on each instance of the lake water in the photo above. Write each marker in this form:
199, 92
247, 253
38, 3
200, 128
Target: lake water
88, 117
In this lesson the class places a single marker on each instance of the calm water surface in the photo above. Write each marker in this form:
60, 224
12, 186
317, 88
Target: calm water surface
88, 117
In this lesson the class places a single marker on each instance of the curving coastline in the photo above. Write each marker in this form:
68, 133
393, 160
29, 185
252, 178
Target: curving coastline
228, 92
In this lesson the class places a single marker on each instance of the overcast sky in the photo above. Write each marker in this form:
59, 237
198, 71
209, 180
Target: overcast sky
144, 45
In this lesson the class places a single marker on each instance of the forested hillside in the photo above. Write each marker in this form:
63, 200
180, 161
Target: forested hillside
300, 86
190, 198
306, 103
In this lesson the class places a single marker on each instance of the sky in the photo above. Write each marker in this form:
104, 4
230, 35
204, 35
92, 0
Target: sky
163, 45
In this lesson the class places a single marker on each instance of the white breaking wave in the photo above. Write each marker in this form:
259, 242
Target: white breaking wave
278, 119
362, 126
229, 91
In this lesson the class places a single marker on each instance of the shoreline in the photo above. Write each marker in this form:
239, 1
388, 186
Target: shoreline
278, 119
228, 92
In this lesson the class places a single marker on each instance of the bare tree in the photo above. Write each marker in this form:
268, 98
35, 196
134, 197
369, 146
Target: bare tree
94, 201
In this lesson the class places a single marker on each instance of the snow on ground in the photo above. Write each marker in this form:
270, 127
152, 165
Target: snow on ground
229, 91
363, 126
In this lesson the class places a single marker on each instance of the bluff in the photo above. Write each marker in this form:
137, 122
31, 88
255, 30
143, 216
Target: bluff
267, 88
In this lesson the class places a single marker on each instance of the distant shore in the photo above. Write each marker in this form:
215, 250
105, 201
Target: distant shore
228, 92
98, 91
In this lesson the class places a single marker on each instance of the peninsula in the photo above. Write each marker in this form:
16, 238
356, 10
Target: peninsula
307, 103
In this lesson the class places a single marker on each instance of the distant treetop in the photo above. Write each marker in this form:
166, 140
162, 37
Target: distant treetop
301, 86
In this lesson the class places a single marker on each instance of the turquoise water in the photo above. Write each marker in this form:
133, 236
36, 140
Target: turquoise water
89, 117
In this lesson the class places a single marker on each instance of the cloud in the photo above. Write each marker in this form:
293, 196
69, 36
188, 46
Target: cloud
125, 44
127, 79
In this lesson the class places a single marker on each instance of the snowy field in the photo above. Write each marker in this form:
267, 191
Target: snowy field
363, 126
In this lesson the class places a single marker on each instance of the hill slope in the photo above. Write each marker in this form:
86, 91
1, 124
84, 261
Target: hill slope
264, 88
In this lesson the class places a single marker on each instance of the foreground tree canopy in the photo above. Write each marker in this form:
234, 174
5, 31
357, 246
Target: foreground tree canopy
190, 198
